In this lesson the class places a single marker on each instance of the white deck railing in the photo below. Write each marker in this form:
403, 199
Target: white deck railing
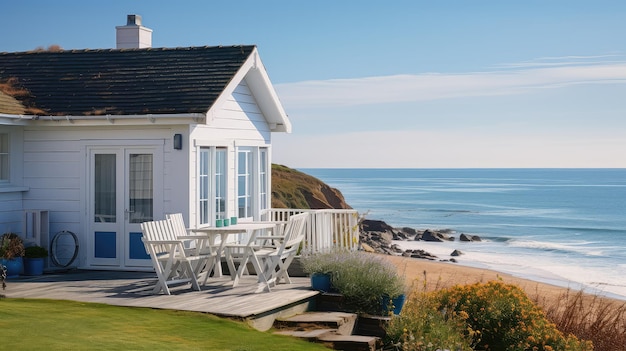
326, 229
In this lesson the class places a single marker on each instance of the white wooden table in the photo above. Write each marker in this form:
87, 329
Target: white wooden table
250, 228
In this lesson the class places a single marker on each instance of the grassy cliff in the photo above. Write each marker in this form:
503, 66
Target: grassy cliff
294, 189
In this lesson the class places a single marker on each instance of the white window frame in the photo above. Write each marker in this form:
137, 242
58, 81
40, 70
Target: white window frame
5, 158
212, 184
264, 177
254, 197
245, 175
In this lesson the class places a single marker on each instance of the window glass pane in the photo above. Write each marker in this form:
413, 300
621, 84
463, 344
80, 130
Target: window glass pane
220, 183
244, 183
140, 190
104, 188
4, 157
263, 178
204, 185
242, 208
241, 185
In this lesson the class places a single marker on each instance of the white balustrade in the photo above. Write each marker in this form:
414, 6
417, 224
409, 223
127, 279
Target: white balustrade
326, 229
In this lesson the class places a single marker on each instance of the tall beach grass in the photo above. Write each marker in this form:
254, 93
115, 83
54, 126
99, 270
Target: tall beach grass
589, 317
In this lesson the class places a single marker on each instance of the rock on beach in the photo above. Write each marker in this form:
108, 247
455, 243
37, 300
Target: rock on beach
378, 236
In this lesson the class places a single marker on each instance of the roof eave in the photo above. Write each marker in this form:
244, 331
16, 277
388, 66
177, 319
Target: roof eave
177, 118
9, 119
266, 95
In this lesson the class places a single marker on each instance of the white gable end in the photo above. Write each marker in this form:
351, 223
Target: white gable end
253, 76
239, 118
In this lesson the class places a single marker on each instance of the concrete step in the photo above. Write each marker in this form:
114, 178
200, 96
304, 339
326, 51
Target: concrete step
344, 323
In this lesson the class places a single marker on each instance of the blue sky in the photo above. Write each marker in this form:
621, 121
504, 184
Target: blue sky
426, 84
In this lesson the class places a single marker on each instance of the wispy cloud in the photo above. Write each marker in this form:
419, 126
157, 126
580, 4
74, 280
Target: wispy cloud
515, 79
397, 149
560, 61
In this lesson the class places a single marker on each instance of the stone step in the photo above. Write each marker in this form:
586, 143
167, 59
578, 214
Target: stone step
331, 339
344, 323
350, 342
310, 335
372, 325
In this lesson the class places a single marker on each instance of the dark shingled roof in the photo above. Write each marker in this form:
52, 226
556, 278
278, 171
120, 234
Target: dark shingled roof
118, 82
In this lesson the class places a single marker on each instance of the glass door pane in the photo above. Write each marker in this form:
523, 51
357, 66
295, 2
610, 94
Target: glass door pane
104, 188
140, 188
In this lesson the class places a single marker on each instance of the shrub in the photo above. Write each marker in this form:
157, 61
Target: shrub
327, 262
363, 279
35, 252
422, 327
11, 246
502, 317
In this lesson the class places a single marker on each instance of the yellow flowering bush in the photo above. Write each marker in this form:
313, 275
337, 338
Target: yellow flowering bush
422, 327
501, 317
489, 316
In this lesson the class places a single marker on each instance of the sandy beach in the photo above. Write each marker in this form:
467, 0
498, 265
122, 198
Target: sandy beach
439, 275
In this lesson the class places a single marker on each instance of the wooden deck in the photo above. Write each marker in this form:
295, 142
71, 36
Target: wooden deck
134, 289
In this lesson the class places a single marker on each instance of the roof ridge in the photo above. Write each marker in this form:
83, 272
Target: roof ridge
179, 48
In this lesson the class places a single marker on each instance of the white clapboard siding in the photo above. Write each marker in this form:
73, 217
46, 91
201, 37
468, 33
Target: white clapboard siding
240, 117
10, 212
55, 164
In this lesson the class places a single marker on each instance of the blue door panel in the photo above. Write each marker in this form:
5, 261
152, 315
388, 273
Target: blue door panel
105, 245
136, 249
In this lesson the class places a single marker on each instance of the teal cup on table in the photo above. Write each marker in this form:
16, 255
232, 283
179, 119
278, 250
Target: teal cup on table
233, 220
226, 222
219, 222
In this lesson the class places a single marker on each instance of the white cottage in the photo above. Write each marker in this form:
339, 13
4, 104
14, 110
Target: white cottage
101, 140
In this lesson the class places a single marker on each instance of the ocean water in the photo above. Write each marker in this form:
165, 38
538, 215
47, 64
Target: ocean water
561, 226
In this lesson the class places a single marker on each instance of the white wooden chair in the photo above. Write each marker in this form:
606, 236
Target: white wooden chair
270, 263
170, 261
276, 261
241, 254
195, 244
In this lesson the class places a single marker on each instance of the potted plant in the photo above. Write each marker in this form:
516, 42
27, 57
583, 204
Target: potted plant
11, 252
34, 260
365, 280
321, 266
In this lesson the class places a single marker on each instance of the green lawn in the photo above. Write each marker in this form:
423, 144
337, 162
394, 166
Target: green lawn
28, 324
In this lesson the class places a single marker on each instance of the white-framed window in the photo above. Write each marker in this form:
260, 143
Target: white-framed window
252, 180
264, 177
4, 157
212, 178
245, 185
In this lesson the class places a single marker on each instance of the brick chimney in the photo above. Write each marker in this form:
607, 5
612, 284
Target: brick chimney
133, 35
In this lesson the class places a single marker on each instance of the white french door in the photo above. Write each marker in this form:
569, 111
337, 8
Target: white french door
122, 196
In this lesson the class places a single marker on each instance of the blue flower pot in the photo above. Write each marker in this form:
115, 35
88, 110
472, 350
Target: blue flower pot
33, 266
396, 303
320, 282
14, 267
